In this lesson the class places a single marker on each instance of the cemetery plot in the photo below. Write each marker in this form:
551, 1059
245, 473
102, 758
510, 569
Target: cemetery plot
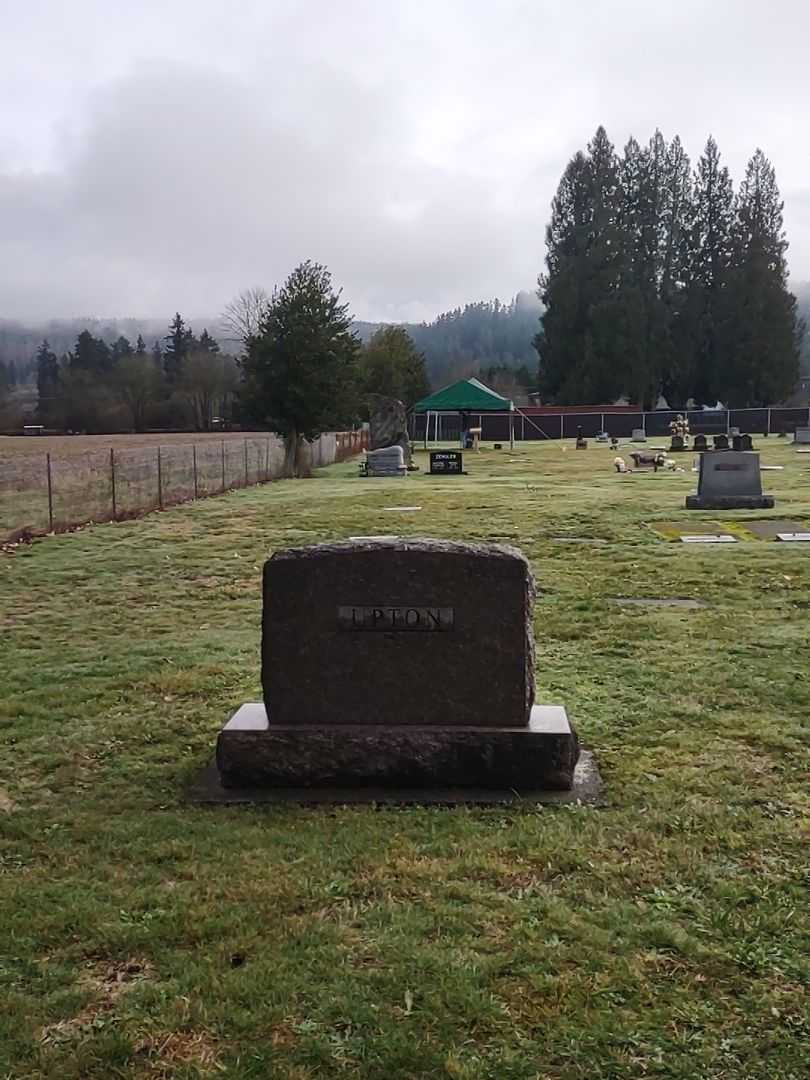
315, 939
676, 530
763, 529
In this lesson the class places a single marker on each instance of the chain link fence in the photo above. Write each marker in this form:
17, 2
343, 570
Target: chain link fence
42, 493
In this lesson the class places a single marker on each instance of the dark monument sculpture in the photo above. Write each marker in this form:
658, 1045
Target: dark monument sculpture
388, 425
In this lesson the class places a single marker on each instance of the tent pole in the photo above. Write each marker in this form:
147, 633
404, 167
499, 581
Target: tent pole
427, 425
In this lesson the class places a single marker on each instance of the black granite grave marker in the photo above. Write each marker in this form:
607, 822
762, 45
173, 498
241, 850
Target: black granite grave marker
446, 463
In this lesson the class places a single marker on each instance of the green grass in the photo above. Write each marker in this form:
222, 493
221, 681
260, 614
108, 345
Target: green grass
666, 934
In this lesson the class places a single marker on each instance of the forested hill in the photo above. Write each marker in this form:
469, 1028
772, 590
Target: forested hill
476, 338
466, 341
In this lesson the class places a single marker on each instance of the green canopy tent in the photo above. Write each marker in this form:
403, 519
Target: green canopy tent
464, 396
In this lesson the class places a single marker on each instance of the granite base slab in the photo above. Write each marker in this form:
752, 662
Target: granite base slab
206, 788
729, 502
541, 755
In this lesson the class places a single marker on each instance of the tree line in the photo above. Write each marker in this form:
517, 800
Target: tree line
660, 280
187, 381
182, 380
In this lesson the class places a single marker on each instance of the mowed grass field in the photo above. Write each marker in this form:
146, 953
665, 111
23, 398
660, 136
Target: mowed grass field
664, 934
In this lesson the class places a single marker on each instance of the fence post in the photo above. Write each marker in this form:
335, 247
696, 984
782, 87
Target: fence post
266, 460
160, 482
50, 493
602, 428
246, 464
194, 466
223, 464
562, 428
112, 482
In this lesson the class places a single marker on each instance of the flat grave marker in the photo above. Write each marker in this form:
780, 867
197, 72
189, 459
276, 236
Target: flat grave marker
799, 537
709, 538
665, 601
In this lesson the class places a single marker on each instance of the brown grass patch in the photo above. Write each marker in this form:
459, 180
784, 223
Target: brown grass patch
165, 1053
107, 982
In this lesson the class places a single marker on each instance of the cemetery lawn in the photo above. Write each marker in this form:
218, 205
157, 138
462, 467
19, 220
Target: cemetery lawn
663, 934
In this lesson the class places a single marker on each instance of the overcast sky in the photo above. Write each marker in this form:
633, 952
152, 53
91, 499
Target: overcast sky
165, 154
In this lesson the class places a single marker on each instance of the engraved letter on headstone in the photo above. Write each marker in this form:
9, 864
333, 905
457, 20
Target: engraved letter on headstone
390, 617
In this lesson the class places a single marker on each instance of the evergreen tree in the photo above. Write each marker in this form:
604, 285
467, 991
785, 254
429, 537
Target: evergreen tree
90, 354
206, 343
676, 359
580, 359
121, 347
391, 365
179, 343
140, 346
762, 365
299, 372
48, 381
707, 313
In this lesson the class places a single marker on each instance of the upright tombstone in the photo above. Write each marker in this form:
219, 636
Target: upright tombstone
387, 461
729, 481
721, 442
639, 435
405, 663
582, 442
700, 444
388, 425
446, 463
802, 436
677, 444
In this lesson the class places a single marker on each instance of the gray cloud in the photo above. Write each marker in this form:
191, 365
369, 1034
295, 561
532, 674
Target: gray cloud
168, 158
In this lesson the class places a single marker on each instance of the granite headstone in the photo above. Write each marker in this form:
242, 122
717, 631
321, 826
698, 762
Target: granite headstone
446, 463
398, 662
729, 481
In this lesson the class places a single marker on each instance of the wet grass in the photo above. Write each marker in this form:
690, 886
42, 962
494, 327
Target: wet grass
666, 934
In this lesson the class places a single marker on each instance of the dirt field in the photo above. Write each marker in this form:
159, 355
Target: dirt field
103, 477
69, 445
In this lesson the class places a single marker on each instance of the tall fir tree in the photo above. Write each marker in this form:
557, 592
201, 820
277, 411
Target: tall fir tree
707, 311
179, 342
120, 348
48, 381
764, 337
91, 354
140, 346
677, 212
206, 343
578, 348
